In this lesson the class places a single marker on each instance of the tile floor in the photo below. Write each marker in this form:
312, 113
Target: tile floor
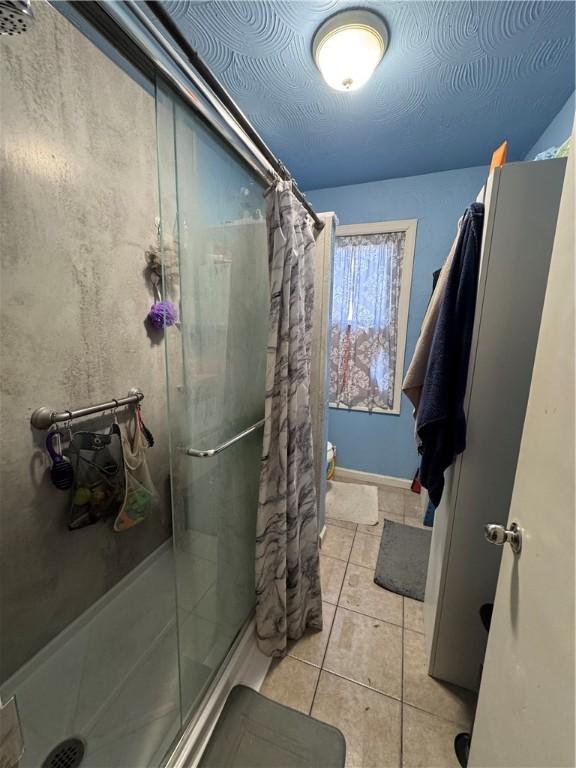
365, 672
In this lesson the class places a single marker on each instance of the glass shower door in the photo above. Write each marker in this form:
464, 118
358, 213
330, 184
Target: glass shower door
214, 240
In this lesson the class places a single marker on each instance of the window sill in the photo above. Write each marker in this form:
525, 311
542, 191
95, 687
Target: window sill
377, 411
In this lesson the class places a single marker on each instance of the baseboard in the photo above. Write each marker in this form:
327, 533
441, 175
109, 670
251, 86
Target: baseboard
246, 665
369, 477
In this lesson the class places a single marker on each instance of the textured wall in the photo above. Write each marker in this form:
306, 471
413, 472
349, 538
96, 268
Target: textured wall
558, 131
78, 208
384, 443
457, 79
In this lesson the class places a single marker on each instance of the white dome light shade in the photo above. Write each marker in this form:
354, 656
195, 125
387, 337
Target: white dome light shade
348, 47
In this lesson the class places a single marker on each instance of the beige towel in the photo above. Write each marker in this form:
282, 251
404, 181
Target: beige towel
414, 379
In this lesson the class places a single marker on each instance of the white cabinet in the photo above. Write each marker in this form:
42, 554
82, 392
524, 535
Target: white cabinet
521, 208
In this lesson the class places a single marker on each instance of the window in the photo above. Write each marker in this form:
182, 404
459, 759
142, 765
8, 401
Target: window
371, 293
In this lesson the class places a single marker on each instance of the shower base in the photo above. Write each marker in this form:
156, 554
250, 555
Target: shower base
112, 678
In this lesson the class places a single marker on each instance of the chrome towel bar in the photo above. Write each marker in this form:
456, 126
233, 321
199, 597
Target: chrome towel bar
207, 454
44, 417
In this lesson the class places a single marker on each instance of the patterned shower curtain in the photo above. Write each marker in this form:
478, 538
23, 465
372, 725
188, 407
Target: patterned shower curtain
288, 596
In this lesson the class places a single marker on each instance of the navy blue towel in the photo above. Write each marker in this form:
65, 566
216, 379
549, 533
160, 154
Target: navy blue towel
440, 422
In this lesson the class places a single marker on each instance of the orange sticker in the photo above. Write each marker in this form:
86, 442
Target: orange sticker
499, 156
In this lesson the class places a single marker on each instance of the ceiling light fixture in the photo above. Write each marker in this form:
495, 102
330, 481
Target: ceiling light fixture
348, 47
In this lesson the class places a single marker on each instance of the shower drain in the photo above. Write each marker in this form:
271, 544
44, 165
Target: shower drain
67, 754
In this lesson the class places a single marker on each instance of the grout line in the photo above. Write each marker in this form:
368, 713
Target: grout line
368, 687
337, 606
404, 630
301, 661
402, 660
437, 716
391, 697
342, 559
333, 620
374, 618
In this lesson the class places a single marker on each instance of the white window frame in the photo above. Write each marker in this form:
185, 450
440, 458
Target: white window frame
376, 228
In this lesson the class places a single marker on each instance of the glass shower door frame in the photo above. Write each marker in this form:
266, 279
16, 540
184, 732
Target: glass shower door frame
242, 664
223, 340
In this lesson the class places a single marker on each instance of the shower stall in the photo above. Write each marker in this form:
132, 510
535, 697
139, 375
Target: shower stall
116, 152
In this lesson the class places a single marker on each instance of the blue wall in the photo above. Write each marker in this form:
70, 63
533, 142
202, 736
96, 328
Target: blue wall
384, 443
558, 131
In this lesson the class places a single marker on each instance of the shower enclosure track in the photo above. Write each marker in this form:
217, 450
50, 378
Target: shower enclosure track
222, 94
181, 65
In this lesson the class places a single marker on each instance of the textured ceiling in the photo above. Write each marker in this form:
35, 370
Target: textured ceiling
458, 78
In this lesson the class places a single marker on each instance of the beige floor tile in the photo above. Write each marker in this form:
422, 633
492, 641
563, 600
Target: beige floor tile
331, 577
341, 523
312, 646
428, 741
413, 502
291, 682
339, 478
414, 517
359, 593
365, 550
447, 701
391, 500
369, 721
367, 651
337, 542
413, 615
376, 530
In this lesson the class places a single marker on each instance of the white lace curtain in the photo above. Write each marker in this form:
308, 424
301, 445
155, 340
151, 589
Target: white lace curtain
364, 324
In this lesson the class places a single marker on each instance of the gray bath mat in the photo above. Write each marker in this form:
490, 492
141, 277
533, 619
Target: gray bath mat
352, 502
255, 732
403, 559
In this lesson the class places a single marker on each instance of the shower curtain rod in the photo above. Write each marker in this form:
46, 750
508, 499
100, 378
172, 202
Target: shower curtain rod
224, 97
134, 32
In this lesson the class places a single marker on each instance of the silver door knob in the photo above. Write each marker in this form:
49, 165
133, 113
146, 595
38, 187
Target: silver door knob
497, 534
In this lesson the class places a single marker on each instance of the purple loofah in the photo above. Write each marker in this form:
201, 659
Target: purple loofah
162, 314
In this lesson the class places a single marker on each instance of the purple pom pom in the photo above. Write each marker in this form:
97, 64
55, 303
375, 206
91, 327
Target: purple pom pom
162, 314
